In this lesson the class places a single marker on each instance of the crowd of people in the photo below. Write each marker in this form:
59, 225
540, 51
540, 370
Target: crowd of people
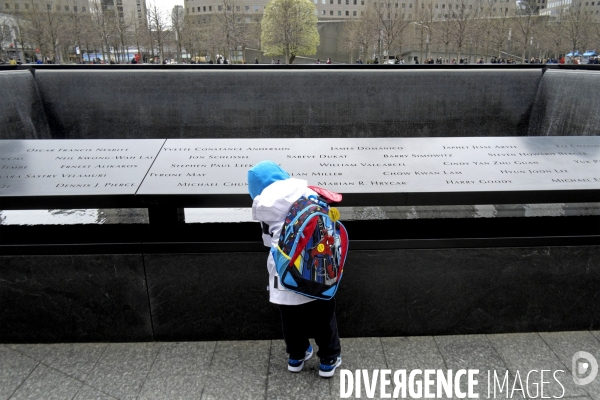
396, 60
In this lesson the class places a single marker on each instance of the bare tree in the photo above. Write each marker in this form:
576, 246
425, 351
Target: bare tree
77, 25
576, 24
178, 24
157, 23
33, 28
391, 21
359, 35
501, 28
235, 26
526, 24
460, 18
553, 36
6, 27
443, 31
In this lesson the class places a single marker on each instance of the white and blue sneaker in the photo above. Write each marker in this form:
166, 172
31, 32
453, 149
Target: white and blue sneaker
327, 370
297, 365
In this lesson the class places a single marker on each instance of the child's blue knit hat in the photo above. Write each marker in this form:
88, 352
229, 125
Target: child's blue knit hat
262, 175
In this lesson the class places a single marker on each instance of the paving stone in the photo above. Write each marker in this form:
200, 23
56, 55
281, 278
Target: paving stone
283, 384
566, 344
410, 353
179, 371
89, 393
14, 369
526, 352
46, 383
419, 352
123, 368
238, 370
596, 334
357, 353
474, 352
35, 351
74, 359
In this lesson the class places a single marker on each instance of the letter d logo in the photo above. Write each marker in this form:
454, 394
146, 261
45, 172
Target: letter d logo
581, 368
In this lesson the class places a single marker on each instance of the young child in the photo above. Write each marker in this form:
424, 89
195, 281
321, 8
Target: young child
273, 193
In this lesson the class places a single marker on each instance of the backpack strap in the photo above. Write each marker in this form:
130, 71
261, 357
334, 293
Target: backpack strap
327, 195
265, 229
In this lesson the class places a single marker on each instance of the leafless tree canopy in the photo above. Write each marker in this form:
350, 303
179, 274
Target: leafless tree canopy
59, 31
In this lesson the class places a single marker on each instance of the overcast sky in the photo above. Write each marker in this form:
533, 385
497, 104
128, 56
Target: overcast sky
165, 4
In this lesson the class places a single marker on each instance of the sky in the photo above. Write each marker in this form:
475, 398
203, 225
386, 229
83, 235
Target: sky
165, 4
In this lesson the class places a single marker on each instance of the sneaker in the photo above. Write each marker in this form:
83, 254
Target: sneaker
297, 365
327, 370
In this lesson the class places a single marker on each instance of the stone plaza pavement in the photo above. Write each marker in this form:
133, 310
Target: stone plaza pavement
257, 369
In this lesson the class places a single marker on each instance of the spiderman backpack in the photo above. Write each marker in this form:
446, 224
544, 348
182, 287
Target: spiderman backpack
312, 247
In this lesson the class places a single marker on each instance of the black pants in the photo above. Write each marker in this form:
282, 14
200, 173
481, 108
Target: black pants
315, 319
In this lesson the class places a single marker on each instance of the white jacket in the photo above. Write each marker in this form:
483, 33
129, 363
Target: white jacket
271, 207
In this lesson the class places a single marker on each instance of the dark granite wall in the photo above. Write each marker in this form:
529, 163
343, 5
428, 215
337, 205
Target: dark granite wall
305, 102
211, 103
567, 104
210, 296
386, 293
73, 298
22, 115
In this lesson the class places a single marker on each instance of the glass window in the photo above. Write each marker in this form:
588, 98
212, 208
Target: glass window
347, 13
347, 2
354, 13
331, 12
247, 8
322, 12
27, 6
204, 8
209, 8
339, 13
220, 7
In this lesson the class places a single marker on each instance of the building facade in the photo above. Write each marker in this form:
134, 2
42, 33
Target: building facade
126, 10
14, 6
589, 8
